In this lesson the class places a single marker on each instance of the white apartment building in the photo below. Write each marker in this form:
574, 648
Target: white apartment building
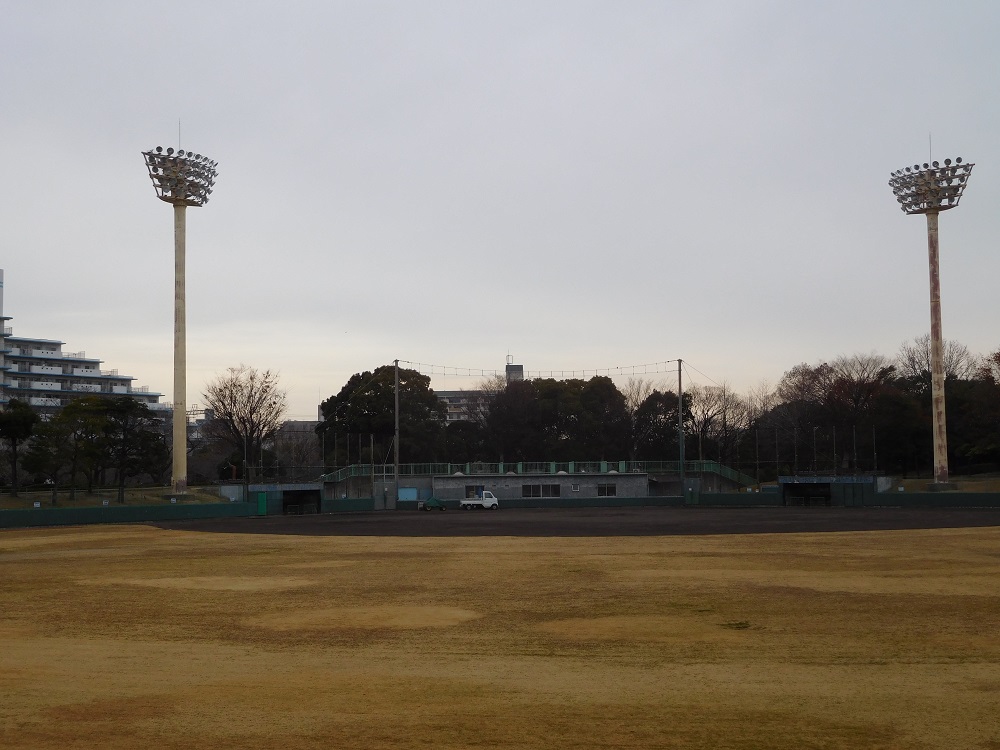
465, 406
39, 373
462, 406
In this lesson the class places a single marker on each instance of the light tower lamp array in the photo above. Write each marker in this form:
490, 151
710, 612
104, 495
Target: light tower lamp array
182, 179
931, 189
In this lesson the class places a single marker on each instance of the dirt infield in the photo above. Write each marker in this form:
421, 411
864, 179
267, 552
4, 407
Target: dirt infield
138, 636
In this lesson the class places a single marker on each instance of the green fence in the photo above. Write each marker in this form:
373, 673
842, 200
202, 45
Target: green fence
855, 498
735, 500
10, 519
934, 500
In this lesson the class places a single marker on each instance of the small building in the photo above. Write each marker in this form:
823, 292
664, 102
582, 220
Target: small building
527, 489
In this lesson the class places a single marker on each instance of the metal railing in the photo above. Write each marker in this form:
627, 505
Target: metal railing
539, 467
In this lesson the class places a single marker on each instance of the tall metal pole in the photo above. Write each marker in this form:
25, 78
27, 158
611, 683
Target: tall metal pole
180, 353
940, 431
680, 422
395, 442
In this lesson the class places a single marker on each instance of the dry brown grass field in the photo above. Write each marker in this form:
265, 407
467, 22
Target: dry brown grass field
139, 637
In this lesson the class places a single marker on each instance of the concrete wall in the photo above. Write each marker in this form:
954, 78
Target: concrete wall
562, 502
509, 488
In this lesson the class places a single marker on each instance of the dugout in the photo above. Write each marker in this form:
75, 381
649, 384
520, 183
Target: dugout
300, 502
826, 490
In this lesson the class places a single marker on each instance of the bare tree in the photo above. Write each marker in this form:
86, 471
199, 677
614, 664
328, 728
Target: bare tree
857, 380
720, 416
990, 368
637, 390
479, 399
805, 383
247, 407
914, 359
760, 400
297, 446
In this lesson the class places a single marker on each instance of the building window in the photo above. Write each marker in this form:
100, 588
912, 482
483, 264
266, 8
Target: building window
541, 490
606, 490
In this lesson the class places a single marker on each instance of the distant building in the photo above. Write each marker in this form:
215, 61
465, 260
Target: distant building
461, 406
514, 372
39, 373
464, 406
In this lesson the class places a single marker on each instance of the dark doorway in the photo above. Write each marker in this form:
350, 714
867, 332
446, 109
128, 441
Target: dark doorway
806, 494
299, 502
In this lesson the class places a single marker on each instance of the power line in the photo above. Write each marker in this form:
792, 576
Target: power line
649, 368
687, 364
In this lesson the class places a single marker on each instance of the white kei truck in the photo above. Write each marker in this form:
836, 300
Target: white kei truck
483, 500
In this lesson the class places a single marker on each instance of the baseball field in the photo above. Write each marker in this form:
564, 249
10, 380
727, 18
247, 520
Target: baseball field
150, 637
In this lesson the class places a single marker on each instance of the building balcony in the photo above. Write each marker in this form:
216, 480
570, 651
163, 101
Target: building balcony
46, 386
44, 401
86, 387
45, 370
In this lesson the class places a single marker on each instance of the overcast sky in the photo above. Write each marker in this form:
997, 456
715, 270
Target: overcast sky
581, 185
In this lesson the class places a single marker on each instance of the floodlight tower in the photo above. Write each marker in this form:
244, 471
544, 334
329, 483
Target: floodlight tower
931, 189
183, 179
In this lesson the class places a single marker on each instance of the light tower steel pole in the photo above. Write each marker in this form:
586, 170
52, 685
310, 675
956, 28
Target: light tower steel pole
931, 189
182, 179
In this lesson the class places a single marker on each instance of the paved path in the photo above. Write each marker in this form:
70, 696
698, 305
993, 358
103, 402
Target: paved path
598, 522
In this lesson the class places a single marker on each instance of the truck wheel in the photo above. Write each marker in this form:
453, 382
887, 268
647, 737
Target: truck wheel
493, 507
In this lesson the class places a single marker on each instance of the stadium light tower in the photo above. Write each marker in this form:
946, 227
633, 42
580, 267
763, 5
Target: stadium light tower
931, 189
183, 179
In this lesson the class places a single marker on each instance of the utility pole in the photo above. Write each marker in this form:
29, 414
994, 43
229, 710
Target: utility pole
680, 422
395, 442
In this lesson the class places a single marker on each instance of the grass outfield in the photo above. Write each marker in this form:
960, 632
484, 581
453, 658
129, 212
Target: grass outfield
137, 637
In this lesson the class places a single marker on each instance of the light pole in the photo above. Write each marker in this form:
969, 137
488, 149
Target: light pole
182, 179
814, 450
929, 190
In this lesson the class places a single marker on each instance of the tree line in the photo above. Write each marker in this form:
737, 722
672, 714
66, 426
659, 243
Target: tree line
856, 413
97, 441
92, 440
